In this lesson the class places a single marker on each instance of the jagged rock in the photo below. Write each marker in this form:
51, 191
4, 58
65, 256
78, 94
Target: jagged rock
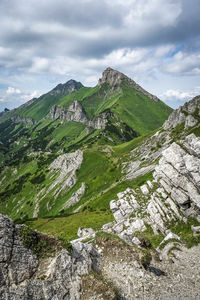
133, 225
165, 251
136, 241
173, 192
75, 112
144, 189
16, 262
169, 236
18, 119
75, 198
24, 277
184, 114
66, 166
179, 174
85, 232
192, 145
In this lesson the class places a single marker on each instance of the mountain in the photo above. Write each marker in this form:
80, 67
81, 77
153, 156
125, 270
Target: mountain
131, 213
73, 129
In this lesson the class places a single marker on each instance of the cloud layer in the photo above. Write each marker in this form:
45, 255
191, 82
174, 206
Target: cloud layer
44, 42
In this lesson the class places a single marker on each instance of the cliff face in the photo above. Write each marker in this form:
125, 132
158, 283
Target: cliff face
24, 276
75, 112
18, 119
173, 194
188, 113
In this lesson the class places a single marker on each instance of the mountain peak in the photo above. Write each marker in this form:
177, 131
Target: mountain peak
114, 78
66, 88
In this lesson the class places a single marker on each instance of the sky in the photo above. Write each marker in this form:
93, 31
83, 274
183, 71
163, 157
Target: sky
46, 42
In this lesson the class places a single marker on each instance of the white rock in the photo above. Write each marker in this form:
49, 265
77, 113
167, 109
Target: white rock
144, 189
113, 206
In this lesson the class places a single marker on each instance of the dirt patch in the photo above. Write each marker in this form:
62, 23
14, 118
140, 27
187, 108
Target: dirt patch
95, 287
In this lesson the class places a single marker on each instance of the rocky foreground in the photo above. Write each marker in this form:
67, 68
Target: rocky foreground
105, 267
93, 271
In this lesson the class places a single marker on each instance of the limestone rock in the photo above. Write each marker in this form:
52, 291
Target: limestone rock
184, 114
75, 112
24, 277
75, 198
144, 189
179, 174
85, 232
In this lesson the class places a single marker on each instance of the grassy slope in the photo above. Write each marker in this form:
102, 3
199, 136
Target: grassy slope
66, 227
140, 112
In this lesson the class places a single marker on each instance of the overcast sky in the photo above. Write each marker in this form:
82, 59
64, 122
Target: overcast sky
45, 42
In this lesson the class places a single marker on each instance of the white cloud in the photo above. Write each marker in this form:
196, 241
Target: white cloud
2, 100
184, 64
30, 96
147, 13
12, 90
47, 42
164, 50
40, 64
171, 95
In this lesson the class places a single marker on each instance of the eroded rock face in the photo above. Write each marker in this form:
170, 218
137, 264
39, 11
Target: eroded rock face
188, 113
76, 113
173, 194
178, 173
24, 277
18, 119
17, 263
65, 165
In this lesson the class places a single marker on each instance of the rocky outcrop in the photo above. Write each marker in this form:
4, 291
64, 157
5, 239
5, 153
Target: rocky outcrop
23, 276
115, 78
132, 272
66, 88
173, 194
63, 170
75, 198
76, 113
178, 173
188, 113
18, 119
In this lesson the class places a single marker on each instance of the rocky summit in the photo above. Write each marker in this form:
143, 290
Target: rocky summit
100, 195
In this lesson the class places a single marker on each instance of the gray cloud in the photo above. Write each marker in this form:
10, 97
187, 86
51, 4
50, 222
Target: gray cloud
60, 38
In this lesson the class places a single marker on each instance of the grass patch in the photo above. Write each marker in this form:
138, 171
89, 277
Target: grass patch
66, 228
41, 245
185, 232
155, 239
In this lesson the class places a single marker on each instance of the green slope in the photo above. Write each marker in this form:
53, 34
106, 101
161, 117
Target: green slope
140, 112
